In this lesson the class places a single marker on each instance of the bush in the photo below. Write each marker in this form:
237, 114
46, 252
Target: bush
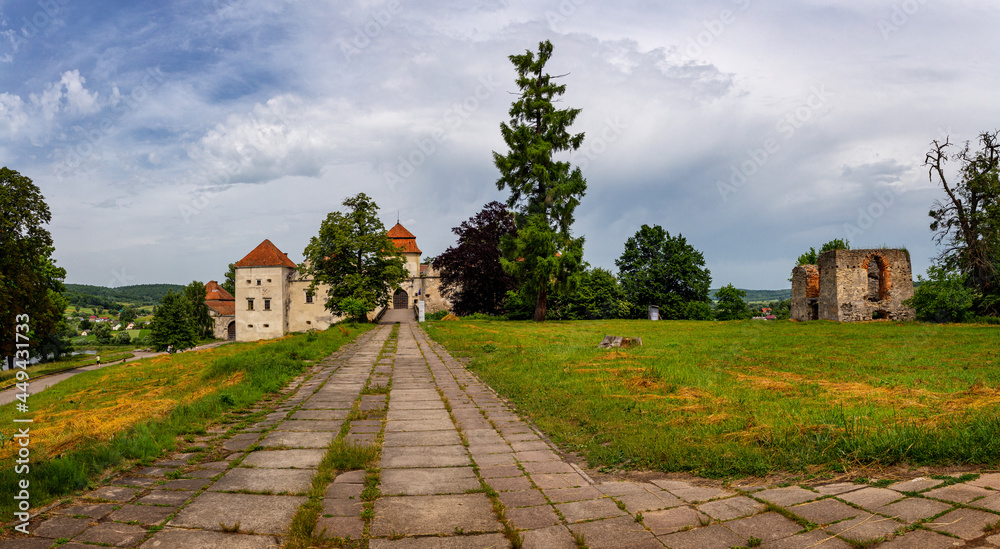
943, 297
436, 316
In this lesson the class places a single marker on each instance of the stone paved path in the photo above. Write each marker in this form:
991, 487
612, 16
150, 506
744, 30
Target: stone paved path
460, 470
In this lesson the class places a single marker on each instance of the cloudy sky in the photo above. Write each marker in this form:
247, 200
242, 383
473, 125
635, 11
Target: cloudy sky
171, 137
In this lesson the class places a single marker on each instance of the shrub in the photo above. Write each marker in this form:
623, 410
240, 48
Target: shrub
943, 297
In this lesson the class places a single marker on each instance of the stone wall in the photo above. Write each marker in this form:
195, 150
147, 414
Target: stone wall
260, 284
853, 285
805, 293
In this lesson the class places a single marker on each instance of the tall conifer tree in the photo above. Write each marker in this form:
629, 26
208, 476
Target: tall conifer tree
544, 192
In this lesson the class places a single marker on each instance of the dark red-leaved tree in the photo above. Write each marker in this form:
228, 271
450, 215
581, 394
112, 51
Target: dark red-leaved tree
472, 276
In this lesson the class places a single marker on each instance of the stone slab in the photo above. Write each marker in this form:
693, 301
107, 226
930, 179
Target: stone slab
673, 520
165, 497
61, 527
825, 511
201, 539
865, 528
424, 456
143, 514
579, 511
914, 509
112, 493
321, 414
709, 537
95, 511
871, 498
482, 541
113, 533
433, 515
418, 425
765, 526
731, 508
309, 425
613, 532
964, 523
958, 493
422, 438
291, 439
273, 481
915, 484
428, 481
254, 513
789, 495
553, 537
284, 459
920, 539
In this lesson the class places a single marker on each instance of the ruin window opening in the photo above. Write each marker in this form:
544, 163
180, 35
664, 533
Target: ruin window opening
878, 279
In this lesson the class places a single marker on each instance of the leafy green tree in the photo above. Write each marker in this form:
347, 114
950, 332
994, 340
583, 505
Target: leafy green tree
102, 333
173, 323
967, 222
472, 276
30, 282
229, 284
544, 192
943, 297
597, 295
657, 269
355, 258
126, 315
123, 338
204, 324
731, 304
84, 324
812, 256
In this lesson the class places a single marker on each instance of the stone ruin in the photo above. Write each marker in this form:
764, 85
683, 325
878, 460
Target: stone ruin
853, 285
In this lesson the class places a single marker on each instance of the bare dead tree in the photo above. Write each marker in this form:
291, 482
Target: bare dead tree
967, 223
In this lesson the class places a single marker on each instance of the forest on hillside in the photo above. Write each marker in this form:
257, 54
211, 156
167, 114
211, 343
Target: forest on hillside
83, 295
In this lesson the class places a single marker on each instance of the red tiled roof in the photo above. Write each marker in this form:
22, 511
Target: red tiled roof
423, 268
266, 255
399, 231
403, 239
214, 292
223, 308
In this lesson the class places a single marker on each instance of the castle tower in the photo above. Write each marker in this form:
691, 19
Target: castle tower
262, 293
406, 242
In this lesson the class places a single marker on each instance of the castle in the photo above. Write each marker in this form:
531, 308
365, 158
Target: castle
853, 285
273, 298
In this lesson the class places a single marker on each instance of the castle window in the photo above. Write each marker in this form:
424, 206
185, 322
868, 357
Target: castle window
267, 325
258, 282
309, 297
309, 322
267, 304
249, 325
249, 303
269, 281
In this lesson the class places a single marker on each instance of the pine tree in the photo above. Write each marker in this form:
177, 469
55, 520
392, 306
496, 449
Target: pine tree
544, 192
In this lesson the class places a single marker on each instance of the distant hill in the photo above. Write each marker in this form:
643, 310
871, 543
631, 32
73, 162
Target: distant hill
84, 295
758, 296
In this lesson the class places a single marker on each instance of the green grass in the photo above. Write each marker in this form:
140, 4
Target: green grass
135, 412
725, 399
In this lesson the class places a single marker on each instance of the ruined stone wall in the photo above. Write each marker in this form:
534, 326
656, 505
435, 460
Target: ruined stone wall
805, 292
860, 285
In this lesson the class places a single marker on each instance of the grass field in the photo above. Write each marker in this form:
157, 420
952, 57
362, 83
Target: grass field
727, 399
